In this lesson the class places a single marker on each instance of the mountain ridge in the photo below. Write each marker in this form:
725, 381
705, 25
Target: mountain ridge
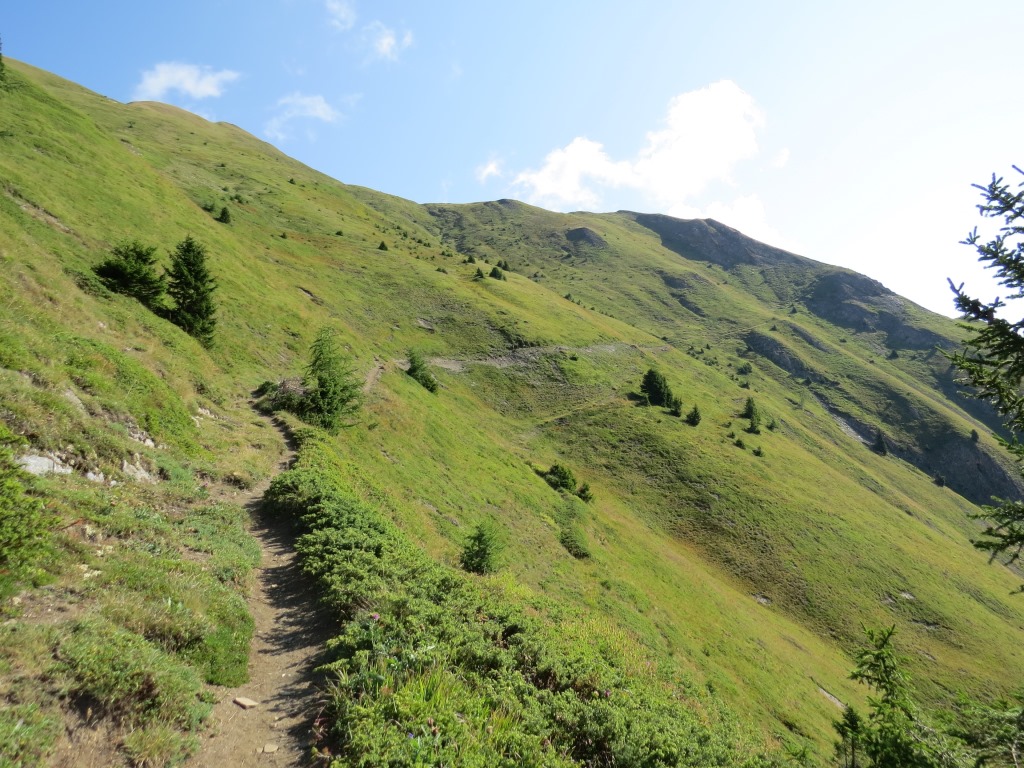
748, 573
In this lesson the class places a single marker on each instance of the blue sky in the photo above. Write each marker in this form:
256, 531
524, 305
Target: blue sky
847, 132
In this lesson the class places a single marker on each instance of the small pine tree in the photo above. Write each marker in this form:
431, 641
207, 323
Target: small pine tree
693, 417
675, 407
656, 388
481, 550
224, 217
879, 445
497, 274
131, 270
479, 274
383, 246
332, 391
892, 734
585, 493
191, 286
851, 734
753, 413
561, 478
420, 371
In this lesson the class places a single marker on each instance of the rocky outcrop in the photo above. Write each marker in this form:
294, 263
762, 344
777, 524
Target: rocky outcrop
586, 238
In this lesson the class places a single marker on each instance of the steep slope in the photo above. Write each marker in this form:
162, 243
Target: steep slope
748, 576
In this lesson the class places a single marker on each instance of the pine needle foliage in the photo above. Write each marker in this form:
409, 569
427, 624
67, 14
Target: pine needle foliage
655, 387
191, 286
892, 735
131, 270
332, 391
992, 360
481, 550
419, 369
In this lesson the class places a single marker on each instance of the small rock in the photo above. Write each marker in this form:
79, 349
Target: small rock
136, 471
36, 464
269, 749
245, 703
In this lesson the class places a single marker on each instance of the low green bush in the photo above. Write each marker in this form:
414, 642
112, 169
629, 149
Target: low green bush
22, 527
560, 478
126, 677
27, 735
420, 371
481, 549
435, 667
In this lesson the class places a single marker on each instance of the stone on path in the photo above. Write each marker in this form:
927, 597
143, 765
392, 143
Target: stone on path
269, 748
245, 703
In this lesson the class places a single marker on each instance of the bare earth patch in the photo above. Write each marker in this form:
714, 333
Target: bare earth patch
287, 642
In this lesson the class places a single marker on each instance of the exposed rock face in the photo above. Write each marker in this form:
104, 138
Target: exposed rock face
136, 471
683, 289
841, 296
861, 304
971, 469
774, 350
584, 236
708, 240
40, 464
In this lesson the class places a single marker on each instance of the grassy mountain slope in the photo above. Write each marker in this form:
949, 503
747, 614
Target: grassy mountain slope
749, 575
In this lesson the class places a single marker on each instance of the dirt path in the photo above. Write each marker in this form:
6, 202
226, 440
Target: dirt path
373, 376
286, 644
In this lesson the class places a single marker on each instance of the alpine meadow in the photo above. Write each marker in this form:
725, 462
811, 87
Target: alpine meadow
497, 486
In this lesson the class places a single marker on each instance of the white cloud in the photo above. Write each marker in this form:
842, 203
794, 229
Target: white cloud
299, 106
563, 181
781, 159
384, 42
705, 134
189, 79
342, 14
488, 169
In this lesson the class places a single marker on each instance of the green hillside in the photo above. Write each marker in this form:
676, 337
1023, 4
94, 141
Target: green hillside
702, 609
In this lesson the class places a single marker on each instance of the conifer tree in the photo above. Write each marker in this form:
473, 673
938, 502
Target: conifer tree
481, 550
656, 388
332, 391
992, 360
131, 270
191, 286
879, 446
419, 369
